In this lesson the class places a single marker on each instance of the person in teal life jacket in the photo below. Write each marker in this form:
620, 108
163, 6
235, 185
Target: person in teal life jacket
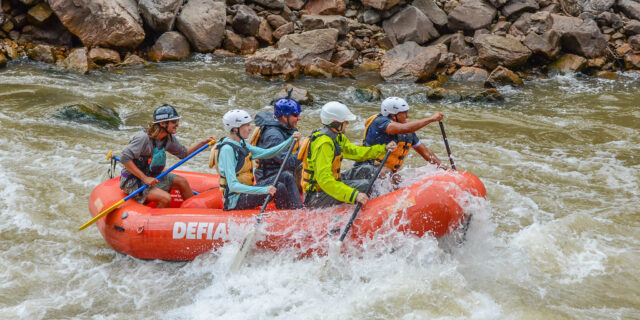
235, 165
391, 125
144, 158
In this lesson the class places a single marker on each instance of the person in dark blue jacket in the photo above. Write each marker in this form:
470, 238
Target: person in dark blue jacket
275, 128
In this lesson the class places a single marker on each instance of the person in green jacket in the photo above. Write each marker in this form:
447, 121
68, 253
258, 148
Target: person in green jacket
322, 153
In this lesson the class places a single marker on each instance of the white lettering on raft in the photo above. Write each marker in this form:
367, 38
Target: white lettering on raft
199, 230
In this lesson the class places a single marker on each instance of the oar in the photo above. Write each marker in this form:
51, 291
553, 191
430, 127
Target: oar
355, 212
249, 240
115, 205
446, 144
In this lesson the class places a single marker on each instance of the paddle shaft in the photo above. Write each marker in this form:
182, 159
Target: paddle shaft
103, 213
369, 187
446, 144
275, 182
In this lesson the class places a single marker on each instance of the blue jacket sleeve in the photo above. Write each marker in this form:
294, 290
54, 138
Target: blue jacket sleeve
273, 137
227, 167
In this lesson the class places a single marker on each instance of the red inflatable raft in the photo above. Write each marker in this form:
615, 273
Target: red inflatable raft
189, 228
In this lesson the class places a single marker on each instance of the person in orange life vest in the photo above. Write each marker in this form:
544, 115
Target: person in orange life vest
144, 158
391, 125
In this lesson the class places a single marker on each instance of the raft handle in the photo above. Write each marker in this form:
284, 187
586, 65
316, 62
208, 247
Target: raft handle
140, 229
119, 228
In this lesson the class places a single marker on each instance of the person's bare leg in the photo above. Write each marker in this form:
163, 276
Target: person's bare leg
182, 184
160, 196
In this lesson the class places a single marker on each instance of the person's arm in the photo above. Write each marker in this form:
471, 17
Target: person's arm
358, 153
133, 169
227, 166
260, 153
322, 158
395, 127
199, 145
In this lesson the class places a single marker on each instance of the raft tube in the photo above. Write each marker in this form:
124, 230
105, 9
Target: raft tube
189, 228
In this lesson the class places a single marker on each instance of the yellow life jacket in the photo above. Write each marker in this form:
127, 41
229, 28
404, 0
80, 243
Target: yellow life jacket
244, 167
396, 158
309, 184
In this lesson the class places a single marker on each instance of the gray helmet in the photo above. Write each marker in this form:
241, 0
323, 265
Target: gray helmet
164, 113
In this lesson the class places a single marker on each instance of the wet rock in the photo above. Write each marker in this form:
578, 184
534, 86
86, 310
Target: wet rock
276, 20
3, 60
326, 7
497, 50
106, 23
547, 44
322, 68
170, 46
632, 61
632, 27
274, 62
202, 23
249, 45
314, 22
271, 4
102, 56
630, 8
265, 33
568, 63
596, 63
516, 7
409, 62
39, 14
471, 15
132, 60
602, 74
42, 53
371, 16
430, 9
410, 24
283, 30
78, 60
294, 4
367, 94
380, 4
91, 113
459, 46
345, 58
311, 44
301, 95
160, 15
502, 76
246, 21
232, 42
470, 74
492, 95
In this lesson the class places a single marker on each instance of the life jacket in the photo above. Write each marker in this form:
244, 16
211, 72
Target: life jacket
255, 138
396, 158
154, 164
309, 184
244, 166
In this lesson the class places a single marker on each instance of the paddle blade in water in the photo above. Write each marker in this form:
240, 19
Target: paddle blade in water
245, 247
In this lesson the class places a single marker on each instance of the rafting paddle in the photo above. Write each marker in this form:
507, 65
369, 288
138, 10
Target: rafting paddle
446, 144
249, 240
355, 212
115, 205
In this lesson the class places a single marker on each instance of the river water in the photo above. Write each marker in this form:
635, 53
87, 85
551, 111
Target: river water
557, 238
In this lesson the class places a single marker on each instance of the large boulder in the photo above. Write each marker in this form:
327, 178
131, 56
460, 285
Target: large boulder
313, 22
409, 62
159, 15
630, 7
497, 50
328, 7
410, 24
311, 44
380, 4
430, 9
246, 21
471, 15
170, 46
202, 22
546, 45
271, 62
502, 76
107, 23
586, 40
90, 113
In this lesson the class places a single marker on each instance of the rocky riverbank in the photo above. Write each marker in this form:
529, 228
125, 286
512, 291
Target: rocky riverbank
496, 42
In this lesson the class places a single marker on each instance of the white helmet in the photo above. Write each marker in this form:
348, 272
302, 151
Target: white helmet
393, 105
235, 119
335, 111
